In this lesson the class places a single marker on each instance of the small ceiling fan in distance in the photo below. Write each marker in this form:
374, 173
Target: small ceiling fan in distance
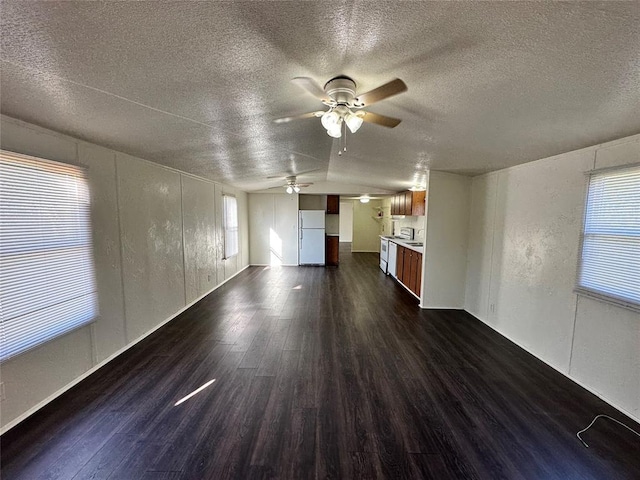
345, 107
291, 184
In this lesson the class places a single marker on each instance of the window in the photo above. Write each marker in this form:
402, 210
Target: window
610, 262
47, 285
230, 226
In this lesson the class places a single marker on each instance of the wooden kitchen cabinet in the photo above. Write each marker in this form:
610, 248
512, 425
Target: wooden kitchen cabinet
406, 268
408, 203
333, 204
415, 272
417, 203
332, 247
400, 262
418, 273
409, 268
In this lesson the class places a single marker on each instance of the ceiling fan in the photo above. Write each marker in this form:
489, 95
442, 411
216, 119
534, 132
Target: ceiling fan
292, 184
339, 94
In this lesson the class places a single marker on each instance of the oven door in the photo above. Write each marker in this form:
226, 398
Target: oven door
383, 266
384, 249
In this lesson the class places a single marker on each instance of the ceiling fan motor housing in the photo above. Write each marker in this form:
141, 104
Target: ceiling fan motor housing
342, 89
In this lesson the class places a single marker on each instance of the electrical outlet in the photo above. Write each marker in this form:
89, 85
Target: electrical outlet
2, 395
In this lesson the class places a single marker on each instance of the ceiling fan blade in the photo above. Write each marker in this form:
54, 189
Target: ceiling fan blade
311, 86
291, 173
383, 120
298, 117
302, 185
387, 90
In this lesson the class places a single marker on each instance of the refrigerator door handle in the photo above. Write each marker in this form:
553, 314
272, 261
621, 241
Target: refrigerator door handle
301, 222
301, 236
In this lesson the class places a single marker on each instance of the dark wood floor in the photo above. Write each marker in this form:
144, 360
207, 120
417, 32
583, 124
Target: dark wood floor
322, 373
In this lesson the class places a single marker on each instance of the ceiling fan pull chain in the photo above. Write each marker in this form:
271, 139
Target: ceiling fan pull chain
345, 136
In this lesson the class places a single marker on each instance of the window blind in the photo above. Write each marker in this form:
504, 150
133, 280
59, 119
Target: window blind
47, 278
610, 262
230, 226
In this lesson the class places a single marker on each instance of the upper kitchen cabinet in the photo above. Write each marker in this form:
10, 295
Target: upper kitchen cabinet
408, 203
333, 204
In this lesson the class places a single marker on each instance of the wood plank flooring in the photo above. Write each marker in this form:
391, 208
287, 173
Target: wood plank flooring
321, 373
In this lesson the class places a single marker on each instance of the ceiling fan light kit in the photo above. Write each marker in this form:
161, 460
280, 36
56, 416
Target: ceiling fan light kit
333, 119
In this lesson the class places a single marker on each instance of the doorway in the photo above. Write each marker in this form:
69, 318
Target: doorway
346, 221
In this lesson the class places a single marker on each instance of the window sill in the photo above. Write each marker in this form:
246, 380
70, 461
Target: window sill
617, 302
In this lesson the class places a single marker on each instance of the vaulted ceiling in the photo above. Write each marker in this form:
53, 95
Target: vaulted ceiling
196, 85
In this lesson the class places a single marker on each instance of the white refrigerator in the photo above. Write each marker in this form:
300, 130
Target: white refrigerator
311, 238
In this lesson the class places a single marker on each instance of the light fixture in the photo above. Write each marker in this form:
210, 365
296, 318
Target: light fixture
364, 199
418, 188
293, 187
333, 119
335, 131
353, 121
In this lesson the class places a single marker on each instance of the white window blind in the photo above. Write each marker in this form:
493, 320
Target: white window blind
47, 280
230, 226
610, 262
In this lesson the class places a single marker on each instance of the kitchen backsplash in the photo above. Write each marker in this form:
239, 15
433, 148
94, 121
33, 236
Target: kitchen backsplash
417, 223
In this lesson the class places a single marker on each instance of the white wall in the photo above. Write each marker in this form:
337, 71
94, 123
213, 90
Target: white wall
157, 245
346, 221
312, 202
445, 246
522, 260
273, 226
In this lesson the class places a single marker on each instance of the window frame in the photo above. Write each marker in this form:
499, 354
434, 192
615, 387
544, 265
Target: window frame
587, 291
58, 263
226, 229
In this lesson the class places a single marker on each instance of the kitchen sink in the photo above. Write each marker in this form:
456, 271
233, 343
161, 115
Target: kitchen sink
415, 244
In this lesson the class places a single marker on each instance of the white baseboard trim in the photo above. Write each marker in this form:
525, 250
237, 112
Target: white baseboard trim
589, 389
269, 265
431, 307
95, 368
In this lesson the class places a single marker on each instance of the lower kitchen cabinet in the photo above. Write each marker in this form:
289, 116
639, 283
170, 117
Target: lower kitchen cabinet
409, 269
332, 248
402, 264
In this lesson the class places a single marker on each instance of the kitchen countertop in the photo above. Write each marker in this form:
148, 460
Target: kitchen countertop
404, 243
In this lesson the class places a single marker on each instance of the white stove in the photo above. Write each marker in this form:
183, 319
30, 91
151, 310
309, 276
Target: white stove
384, 253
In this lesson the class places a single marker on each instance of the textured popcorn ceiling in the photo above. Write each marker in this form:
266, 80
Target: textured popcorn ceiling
196, 85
